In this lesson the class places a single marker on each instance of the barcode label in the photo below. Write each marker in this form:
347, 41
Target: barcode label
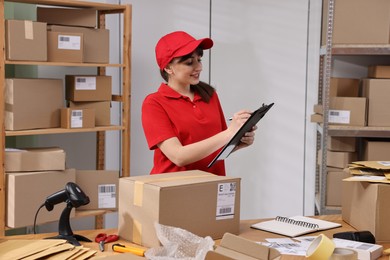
226, 196
107, 188
339, 116
69, 42
107, 196
77, 113
225, 210
81, 80
64, 39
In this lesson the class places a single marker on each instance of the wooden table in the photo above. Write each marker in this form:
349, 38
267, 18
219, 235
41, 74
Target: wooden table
245, 231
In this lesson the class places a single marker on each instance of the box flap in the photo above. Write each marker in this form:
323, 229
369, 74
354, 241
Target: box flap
234, 247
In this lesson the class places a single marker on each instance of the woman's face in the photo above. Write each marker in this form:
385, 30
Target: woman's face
185, 72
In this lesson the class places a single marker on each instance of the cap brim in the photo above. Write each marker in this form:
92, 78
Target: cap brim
205, 43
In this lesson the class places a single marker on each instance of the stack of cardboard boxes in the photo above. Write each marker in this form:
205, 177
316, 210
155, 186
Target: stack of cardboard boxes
345, 108
28, 173
88, 92
68, 35
365, 205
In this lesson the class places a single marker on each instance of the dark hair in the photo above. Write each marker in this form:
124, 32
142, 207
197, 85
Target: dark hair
204, 90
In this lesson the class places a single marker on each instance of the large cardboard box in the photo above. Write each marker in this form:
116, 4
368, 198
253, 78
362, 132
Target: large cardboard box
377, 91
34, 159
65, 47
358, 22
366, 206
77, 118
22, 33
102, 110
67, 16
200, 202
27, 191
344, 87
340, 159
376, 150
101, 186
379, 72
237, 248
33, 103
88, 88
341, 144
347, 111
334, 180
96, 42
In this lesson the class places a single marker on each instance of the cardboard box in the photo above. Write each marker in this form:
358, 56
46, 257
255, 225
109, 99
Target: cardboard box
65, 47
34, 159
318, 109
202, 203
20, 34
101, 187
96, 42
88, 88
234, 247
366, 206
27, 191
102, 110
67, 16
33, 103
379, 72
347, 111
334, 180
344, 87
358, 22
77, 118
341, 144
377, 91
376, 150
340, 159
316, 118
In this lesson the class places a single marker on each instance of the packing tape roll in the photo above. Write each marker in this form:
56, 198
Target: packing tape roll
344, 254
320, 249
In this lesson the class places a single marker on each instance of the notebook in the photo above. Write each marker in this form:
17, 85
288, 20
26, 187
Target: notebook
247, 126
295, 226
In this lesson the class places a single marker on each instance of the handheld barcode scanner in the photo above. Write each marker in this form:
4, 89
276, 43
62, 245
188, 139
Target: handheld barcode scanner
74, 198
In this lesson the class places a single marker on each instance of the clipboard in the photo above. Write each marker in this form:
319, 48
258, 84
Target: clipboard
247, 126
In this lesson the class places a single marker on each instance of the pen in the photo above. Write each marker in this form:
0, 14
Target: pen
128, 249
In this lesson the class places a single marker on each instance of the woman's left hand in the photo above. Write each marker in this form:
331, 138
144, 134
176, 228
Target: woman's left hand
248, 139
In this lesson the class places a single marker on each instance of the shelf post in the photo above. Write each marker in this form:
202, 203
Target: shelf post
126, 92
2, 139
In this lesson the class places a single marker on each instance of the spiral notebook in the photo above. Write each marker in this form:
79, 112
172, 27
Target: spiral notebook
295, 226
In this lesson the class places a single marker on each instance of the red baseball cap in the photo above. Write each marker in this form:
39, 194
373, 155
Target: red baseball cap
178, 44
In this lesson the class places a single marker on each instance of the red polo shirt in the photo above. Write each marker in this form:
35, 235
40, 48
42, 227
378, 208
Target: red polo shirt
167, 114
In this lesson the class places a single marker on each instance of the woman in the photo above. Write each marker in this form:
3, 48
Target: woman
183, 121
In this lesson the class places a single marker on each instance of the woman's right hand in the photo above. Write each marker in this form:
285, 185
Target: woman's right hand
238, 119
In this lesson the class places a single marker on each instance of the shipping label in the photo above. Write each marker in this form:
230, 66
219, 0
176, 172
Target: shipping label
339, 116
226, 195
85, 83
76, 119
69, 42
106, 196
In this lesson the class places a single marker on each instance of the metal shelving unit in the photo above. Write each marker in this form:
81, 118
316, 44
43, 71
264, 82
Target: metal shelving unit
324, 130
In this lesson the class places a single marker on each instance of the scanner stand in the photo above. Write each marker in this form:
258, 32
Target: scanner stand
64, 229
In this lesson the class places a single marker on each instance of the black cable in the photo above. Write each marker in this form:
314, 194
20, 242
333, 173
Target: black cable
36, 215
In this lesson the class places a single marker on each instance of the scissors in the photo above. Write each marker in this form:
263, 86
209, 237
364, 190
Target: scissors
103, 238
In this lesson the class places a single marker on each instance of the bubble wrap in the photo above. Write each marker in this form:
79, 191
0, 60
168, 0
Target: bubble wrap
178, 244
